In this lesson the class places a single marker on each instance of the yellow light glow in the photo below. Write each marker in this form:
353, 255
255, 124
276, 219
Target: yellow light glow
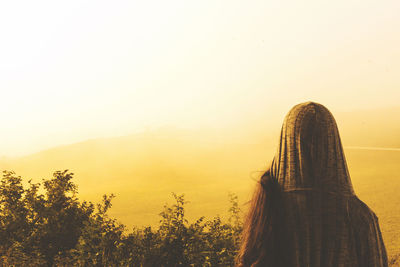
75, 70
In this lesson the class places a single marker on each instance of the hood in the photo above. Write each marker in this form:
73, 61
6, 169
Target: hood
310, 154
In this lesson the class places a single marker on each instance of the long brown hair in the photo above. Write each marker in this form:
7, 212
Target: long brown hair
263, 237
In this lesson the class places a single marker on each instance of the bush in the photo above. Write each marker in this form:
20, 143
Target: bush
55, 228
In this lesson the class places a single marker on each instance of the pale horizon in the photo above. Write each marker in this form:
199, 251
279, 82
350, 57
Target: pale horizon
83, 70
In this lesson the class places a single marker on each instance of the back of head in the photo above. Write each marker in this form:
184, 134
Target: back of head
310, 154
304, 211
309, 158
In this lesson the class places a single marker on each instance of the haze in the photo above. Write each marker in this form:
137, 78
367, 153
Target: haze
77, 70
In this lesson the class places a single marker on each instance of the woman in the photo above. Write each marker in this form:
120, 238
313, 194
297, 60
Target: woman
304, 211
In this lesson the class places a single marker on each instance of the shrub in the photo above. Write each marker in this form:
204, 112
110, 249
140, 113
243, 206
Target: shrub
55, 228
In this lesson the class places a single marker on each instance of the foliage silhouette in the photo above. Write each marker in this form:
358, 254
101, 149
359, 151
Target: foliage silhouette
46, 225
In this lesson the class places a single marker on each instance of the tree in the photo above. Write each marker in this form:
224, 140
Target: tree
14, 225
101, 240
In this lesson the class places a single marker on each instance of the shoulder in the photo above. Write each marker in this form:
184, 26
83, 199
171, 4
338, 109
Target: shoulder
362, 207
362, 217
360, 210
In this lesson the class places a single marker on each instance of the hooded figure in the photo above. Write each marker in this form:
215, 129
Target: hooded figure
304, 211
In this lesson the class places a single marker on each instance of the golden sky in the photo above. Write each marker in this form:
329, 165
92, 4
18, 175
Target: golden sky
74, 70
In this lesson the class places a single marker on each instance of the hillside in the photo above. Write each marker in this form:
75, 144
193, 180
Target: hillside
143, 169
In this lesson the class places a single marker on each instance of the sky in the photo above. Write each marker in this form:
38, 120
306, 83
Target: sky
76, 70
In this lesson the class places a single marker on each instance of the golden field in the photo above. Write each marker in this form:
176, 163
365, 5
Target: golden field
143, 169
